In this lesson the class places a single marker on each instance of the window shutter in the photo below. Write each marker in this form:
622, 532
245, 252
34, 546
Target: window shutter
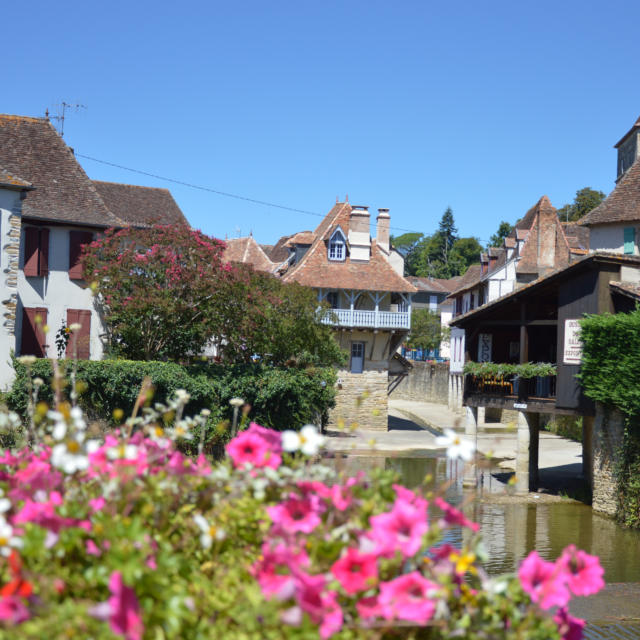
43, 260
79, 344
31, 252
629, 240
33, 341
76, 240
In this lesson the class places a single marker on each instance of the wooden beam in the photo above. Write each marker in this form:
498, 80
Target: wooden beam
524, 335
518, 323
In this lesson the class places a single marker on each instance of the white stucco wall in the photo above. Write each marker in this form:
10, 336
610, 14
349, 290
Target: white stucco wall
56, 292
610, 237
446, 313
10, 208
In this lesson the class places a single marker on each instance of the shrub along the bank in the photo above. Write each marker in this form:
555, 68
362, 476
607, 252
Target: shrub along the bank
280, 398
609, 374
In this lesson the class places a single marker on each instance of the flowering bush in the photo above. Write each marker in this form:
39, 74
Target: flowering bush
126, 537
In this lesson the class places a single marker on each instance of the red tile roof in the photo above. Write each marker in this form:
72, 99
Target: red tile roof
427, 284
32, 149
140, 205
316, 270
470, 279
546, 246
630, 289
248, 251
622, 204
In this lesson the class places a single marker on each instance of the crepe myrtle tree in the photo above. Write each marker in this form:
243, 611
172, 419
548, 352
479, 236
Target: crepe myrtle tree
156, 288
165, 293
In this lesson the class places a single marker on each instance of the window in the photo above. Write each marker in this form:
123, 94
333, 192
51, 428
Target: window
337, 246
629, 240
36, 251
79, 345
33, 341
76, 240
357, 357
332, 299
433, 303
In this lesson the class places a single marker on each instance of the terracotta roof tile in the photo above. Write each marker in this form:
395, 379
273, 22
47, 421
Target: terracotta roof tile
248, 251
427, 284
622, 204
316, 270
546, 246
140, 205
32, 149
577, 236
469, 280
280, 251
302, 237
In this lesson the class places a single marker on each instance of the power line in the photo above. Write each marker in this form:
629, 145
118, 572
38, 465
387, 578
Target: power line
226, 194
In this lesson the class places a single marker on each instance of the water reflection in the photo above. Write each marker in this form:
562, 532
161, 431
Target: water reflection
510, 531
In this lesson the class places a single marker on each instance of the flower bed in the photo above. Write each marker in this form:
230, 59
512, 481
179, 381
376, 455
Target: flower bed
126, 537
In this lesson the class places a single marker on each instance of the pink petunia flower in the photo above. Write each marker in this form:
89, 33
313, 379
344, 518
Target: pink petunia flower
122, 610
296, 514
13, 610
400, 529
322, 607
356, 571
568, 626
582, 571
273, 571
369, 608
543, 581
250, 447
453, 516
408, 597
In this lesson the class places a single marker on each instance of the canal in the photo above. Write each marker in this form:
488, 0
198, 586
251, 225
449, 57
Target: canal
511, 527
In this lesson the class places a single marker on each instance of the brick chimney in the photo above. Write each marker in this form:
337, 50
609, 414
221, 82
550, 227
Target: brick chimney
359, 236
382, 229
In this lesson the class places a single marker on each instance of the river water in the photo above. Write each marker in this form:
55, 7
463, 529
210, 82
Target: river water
511, 529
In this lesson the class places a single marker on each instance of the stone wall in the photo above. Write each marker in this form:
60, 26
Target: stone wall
425, 383
608, 429
361, 398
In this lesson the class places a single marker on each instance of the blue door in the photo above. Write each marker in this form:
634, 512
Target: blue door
357, 357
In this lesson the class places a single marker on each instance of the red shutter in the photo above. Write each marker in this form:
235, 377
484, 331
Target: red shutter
31, 250
79, 344
33, 342
43, 261
76, 240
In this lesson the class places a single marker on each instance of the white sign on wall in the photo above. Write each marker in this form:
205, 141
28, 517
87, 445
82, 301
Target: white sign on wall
572, 342
456, 363
484, 347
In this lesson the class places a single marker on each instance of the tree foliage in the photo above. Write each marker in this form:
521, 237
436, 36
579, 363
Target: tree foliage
426, 330
586, 199
498, 237
165, 293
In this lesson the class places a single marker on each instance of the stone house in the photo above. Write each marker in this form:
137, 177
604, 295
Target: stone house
361, 279
57, 211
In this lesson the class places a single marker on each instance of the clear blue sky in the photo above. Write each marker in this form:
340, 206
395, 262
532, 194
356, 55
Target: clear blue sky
414, 106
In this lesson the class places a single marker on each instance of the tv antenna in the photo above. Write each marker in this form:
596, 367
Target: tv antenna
62, 108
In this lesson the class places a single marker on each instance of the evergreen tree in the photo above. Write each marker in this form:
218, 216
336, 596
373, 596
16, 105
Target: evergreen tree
497, 238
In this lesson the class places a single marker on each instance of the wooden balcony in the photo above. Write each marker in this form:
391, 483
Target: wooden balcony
511, 392
360, 319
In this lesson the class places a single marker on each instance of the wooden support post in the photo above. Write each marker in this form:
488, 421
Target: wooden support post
524, 335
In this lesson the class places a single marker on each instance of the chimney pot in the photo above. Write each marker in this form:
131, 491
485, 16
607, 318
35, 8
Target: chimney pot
382, 229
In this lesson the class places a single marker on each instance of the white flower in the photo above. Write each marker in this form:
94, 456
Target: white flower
236, 402
180, 430
78, 418
457, 447
307, 440
123, 451
69, 456
7, 539
182, 395
209, 531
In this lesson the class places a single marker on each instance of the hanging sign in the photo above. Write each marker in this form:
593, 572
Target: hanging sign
484, 347
572, 342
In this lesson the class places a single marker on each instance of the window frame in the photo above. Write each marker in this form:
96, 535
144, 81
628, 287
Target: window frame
334, 243
362, 345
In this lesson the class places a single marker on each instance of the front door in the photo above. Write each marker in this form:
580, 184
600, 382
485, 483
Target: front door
357, 357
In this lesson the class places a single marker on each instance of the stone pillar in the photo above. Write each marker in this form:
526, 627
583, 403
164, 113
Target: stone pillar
587, 449
527, 452
450, 392
481, 416
470, 477
608, 432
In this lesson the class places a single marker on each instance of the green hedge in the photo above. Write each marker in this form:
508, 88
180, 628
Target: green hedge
610, 374
280, 398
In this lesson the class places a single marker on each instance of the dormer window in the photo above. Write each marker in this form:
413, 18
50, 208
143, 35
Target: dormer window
337, 246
